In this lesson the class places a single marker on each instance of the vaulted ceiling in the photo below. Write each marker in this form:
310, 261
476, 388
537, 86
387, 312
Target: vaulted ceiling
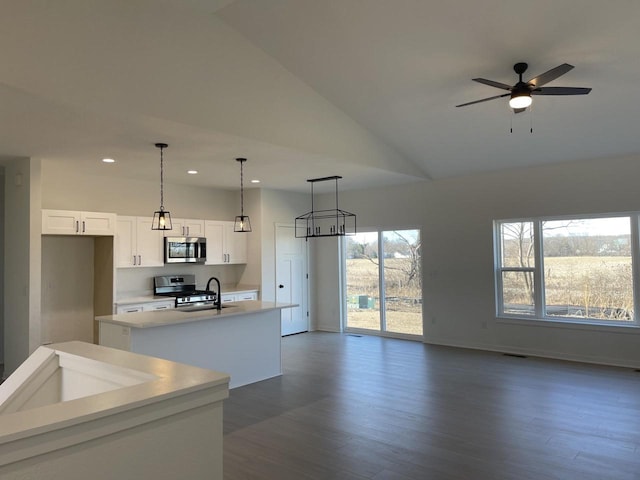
365, 89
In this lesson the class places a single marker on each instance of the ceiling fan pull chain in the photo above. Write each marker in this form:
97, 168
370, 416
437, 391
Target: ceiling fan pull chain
530, 120
511, 122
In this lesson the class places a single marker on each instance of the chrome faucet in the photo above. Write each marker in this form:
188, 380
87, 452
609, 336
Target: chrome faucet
218, 301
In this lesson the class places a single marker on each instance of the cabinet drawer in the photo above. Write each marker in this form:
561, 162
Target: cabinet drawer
145, 307
247, 296
129, 309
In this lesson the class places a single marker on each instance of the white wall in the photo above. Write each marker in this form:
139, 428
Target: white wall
22, 261
67, 190
456, 216
67, 288
252, 273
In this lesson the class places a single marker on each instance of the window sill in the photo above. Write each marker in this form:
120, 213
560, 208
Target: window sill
564, 323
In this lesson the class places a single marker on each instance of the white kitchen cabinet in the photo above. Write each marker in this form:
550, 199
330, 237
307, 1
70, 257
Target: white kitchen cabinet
224, 246
246, 296
227, 297
145, 307
136, 244
154, 306
71, 222
185, 227
238, 297
129, 308
235, 244
214, 231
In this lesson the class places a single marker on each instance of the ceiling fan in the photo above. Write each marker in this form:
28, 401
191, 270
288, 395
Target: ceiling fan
521, 92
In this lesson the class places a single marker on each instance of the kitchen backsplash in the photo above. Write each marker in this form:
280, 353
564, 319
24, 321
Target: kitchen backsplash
133, 282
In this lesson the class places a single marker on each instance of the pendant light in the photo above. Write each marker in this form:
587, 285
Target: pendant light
161, 218
242, 223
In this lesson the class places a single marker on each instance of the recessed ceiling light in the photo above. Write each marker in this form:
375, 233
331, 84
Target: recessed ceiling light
255, 181
108, 160
192, 172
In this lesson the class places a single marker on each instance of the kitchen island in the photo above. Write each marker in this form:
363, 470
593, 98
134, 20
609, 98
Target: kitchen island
241, 339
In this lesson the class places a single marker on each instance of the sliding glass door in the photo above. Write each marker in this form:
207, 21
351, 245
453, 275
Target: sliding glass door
402, 280
388, 262
363, 281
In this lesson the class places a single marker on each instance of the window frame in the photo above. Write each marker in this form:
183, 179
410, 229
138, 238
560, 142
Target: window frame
539, 315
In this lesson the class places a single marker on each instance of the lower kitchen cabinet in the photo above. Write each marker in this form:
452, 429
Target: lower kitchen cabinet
238, 297
145, 307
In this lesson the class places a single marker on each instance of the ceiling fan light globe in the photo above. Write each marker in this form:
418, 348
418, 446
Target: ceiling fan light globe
520, 101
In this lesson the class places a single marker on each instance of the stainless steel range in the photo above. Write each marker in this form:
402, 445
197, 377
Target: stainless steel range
183, 289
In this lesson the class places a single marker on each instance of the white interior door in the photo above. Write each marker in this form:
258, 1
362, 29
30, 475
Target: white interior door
291, 279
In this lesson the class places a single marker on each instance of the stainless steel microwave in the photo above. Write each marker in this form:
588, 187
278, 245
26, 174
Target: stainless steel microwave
185, 249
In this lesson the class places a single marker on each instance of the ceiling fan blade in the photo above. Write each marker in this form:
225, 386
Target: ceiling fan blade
491, 83
561, 91
552, 74
483, 100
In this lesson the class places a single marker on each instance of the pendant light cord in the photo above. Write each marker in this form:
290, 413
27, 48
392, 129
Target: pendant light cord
161, 179
241, 189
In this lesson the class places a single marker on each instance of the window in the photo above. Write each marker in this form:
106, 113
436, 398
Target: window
387, 262
572, 269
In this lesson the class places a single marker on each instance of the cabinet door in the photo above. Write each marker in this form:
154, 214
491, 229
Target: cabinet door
126, 252
214, 231
60, 222
185, 227
97, 223
235, 244
150, 244
194, 228
177, 228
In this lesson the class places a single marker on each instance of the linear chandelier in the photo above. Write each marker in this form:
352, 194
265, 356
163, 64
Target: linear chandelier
325, 223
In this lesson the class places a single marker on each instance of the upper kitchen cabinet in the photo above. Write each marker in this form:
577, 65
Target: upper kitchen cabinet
69, 222
136, 244
184, 227
224, 246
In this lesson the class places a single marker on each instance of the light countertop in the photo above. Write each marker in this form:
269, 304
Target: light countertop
174, 316
156, 380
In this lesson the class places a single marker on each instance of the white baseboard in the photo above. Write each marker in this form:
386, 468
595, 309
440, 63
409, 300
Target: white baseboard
595, 359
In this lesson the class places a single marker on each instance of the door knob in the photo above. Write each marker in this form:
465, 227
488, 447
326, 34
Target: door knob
280, 286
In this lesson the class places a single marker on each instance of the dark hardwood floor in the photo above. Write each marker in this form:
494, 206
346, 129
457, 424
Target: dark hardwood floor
350, 407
